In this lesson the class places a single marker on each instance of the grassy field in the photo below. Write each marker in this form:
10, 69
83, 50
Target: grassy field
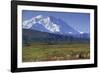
47, 52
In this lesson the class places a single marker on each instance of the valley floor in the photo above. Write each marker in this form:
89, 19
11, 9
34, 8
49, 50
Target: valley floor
53, 52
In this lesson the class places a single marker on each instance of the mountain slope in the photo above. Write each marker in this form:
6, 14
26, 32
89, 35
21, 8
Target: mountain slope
65, 28
49, 24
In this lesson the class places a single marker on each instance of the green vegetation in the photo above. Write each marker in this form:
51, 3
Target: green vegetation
52, 52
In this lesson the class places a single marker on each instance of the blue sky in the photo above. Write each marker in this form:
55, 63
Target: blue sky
79, 21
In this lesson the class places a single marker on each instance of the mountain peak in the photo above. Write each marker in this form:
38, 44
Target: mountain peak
49, 24
40, 19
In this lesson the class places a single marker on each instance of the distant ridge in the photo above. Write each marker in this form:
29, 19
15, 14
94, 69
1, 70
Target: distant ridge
38, 36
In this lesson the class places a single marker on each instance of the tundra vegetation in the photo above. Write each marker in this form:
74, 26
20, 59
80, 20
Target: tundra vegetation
36, 52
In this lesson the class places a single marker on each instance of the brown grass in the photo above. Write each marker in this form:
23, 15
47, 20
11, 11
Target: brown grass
46, 52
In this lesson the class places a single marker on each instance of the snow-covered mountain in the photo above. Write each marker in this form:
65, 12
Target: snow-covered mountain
49, 24
44, 21
49, 29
